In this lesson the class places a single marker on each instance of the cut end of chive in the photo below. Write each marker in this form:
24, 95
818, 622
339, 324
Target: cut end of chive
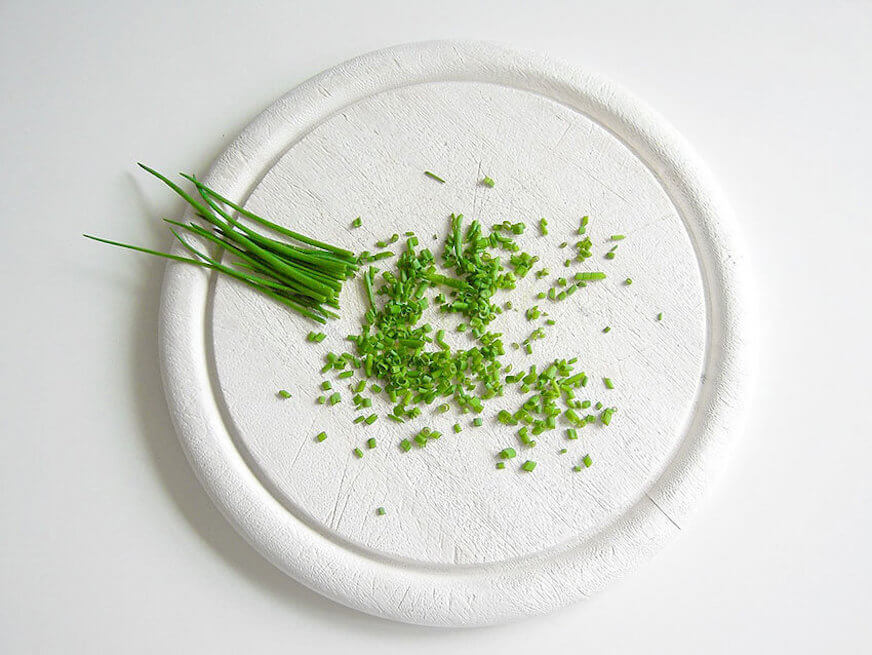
434, 177
660, 316
488, 182
321, 436
381, 511
282, 393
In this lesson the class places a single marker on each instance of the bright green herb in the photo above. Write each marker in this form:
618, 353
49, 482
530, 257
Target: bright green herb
406, 445
582, 226
370, 443
628, 281
533, 313
304, 279
335, 398
372, 418
501, 465
345, 374
477, 421
457, 428
381, 511
607, 329
608, 382
528, 466
587, 461
284, 394
571, 433
488, 182
356, 222
321, 436
321, 400
543, 226
610, 254
316, 337
326, 386
562, 451
358, 419
434, 176
617, 237
507, 453
590, 276
660, 316
357, 453
576, 468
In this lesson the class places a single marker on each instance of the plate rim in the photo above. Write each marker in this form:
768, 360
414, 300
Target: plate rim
540, 584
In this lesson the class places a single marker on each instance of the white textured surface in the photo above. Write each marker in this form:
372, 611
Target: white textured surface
464, 544
109, 543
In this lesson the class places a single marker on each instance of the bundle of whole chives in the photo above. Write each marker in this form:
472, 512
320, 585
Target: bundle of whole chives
303, 278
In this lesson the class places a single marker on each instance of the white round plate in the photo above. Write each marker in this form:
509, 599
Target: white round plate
463, 543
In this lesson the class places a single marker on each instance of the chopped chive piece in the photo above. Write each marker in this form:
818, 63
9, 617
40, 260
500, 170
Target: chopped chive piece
405, 445
326, 386
360, 386
335, 398
488, 182
395, 419
561, 282
607, 329
501, 465
374, 388
381, 511
372, 418
356, 222
457, 427
608, 382
434, 176
587, 461
606, 416
610, 254
321, 400
443, 408
370, 443
528, 466
598, 406
358, 419
660, 316
543, 226
540, 295
585, 277
321, 436
477, 421
617, 237
582, 226
571, 433
507, 453
549, 321
284, 394
562, 451
357, 453
567, 262
576, 468
628, 281
563, 244
316, 337
345, 374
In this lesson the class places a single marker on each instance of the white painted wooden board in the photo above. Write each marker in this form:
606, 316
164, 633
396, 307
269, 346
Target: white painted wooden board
463, 543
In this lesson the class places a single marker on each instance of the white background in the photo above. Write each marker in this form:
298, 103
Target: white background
107, 542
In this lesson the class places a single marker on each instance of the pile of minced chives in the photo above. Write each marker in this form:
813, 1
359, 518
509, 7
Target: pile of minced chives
415, 367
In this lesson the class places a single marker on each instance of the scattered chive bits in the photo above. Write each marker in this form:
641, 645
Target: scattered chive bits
628, 281
370, 443
477, 421
501, 465
528, 466
660, 316
356, 222
617, 237
434, 177
357, 453
283, 393
488, 182
587, 461
607, 329
608, 382
321, 436
543, 227
381, 511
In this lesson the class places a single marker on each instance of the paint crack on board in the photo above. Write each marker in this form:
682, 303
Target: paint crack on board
662, 511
